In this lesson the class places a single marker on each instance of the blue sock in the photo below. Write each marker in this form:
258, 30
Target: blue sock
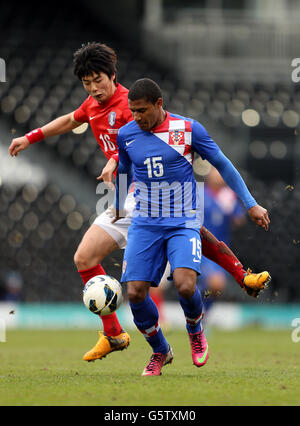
145, 317
192, 309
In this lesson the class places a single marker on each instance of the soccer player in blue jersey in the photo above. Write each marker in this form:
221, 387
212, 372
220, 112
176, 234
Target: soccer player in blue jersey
156, 149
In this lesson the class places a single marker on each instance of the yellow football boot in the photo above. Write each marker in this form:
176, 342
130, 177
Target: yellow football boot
106, 345
254, 283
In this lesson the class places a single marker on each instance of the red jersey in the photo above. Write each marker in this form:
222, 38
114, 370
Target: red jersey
106, 119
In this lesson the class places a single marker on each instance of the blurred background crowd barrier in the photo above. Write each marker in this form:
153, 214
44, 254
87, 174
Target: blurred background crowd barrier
226, 63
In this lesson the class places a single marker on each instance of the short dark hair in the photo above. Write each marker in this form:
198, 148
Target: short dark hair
94, 58
145, 88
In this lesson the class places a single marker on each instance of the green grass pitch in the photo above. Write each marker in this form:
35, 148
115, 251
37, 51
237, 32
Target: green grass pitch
246, 367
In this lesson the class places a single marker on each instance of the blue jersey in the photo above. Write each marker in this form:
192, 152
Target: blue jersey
166, 192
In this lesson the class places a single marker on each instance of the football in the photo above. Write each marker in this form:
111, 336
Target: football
102, 294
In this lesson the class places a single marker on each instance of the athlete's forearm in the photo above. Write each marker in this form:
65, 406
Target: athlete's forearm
60, 125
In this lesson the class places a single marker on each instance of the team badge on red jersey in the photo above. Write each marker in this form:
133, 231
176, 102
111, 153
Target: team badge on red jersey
112, 118
176, 137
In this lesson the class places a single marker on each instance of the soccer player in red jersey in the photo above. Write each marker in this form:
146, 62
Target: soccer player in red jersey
106, 110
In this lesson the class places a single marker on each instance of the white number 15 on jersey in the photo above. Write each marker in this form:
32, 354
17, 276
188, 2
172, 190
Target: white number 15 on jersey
154, 166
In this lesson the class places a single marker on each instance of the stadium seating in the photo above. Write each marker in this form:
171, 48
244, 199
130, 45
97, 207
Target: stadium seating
40, 229
38, 96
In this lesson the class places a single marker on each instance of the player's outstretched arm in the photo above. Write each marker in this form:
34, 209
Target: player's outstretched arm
59, 126
209, 150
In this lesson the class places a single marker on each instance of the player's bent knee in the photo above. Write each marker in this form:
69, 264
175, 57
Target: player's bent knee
83, 260
136, 293
79, 260
95, 246
185, 286
186, 290
185, 282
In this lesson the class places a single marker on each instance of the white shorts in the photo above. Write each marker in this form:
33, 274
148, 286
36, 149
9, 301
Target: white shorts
118, 230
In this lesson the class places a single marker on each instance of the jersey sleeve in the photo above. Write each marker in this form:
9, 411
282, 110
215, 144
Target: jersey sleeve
202, 143
80, 113
209, 150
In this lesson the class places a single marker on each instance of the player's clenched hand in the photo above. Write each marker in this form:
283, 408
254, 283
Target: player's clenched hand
260, 216
17, 145
108, 172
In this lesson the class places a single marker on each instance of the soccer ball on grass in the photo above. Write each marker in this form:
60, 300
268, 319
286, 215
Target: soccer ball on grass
102, 294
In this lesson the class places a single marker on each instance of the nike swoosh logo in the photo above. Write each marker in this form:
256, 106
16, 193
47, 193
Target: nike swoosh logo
92, 118
128, 143
202, 359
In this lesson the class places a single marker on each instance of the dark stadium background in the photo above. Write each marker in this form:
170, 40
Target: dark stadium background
213, 64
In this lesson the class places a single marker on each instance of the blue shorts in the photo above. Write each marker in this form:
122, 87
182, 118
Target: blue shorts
149, 248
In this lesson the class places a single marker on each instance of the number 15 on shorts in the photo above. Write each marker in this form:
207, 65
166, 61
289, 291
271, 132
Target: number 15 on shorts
196, 249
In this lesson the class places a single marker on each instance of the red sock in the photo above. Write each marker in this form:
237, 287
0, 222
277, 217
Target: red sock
87, 274
220, 253
111, 325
